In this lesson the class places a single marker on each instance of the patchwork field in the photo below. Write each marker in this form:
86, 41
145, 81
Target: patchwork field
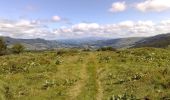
131, 74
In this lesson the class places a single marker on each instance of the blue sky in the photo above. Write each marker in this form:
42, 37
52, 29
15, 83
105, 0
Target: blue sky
83, 18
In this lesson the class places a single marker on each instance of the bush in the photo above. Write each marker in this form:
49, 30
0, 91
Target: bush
106, 49
61, 52
86, 50
67, 51
17, 48
3, 47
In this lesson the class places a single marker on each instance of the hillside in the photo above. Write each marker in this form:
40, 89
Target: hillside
159, 41
32, 44
132, 74
118, 43
93, 43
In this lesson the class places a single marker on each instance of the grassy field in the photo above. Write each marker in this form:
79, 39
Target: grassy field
131, 74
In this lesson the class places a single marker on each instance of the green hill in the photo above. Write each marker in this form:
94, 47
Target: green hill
159, 41
73, 75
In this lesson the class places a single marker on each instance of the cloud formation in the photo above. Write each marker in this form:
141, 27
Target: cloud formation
144, 6
122, 29
118, 7
34, 29
23, 29
56, 18
153, 5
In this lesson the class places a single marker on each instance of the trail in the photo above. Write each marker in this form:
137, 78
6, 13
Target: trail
99, 90
77, 88
89, 88
99, 94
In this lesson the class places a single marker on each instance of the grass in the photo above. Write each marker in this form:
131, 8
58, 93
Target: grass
141, 73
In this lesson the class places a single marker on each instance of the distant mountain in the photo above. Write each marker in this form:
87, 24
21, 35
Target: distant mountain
88, 42
78, 41
42, 44
32, 44
158, 41
118, 43
161, 41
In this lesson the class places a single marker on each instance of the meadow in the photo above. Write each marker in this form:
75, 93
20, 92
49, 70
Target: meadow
131, 74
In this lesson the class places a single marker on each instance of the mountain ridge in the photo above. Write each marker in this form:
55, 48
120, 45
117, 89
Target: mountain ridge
159, 41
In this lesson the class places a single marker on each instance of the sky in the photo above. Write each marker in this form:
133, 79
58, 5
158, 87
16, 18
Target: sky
59, 19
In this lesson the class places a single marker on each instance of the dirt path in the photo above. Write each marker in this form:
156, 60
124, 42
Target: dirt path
90, 86
99, 90
77, 88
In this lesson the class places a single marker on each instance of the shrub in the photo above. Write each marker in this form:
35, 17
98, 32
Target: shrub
106, 49
105, 59
61, 52
72, 51
3, 47
86, 49
58, 61
17, 48
123, 97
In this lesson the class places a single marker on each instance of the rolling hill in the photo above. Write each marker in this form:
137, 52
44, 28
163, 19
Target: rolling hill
32, 44
118, 43
93, 43
158, 41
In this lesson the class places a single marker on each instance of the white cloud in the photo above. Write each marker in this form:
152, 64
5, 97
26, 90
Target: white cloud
77, 30
165, 22
122, 29
118, 7
85, 26
34, 29
126, 24
56, 18
153, 5
22, 29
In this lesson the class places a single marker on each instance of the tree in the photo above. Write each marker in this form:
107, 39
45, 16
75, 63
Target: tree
3, 46
106, 49
17, 48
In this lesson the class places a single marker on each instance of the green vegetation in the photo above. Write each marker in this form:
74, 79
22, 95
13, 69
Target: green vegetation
159, 41
132, 74
17, 48
3, 47
106, 49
